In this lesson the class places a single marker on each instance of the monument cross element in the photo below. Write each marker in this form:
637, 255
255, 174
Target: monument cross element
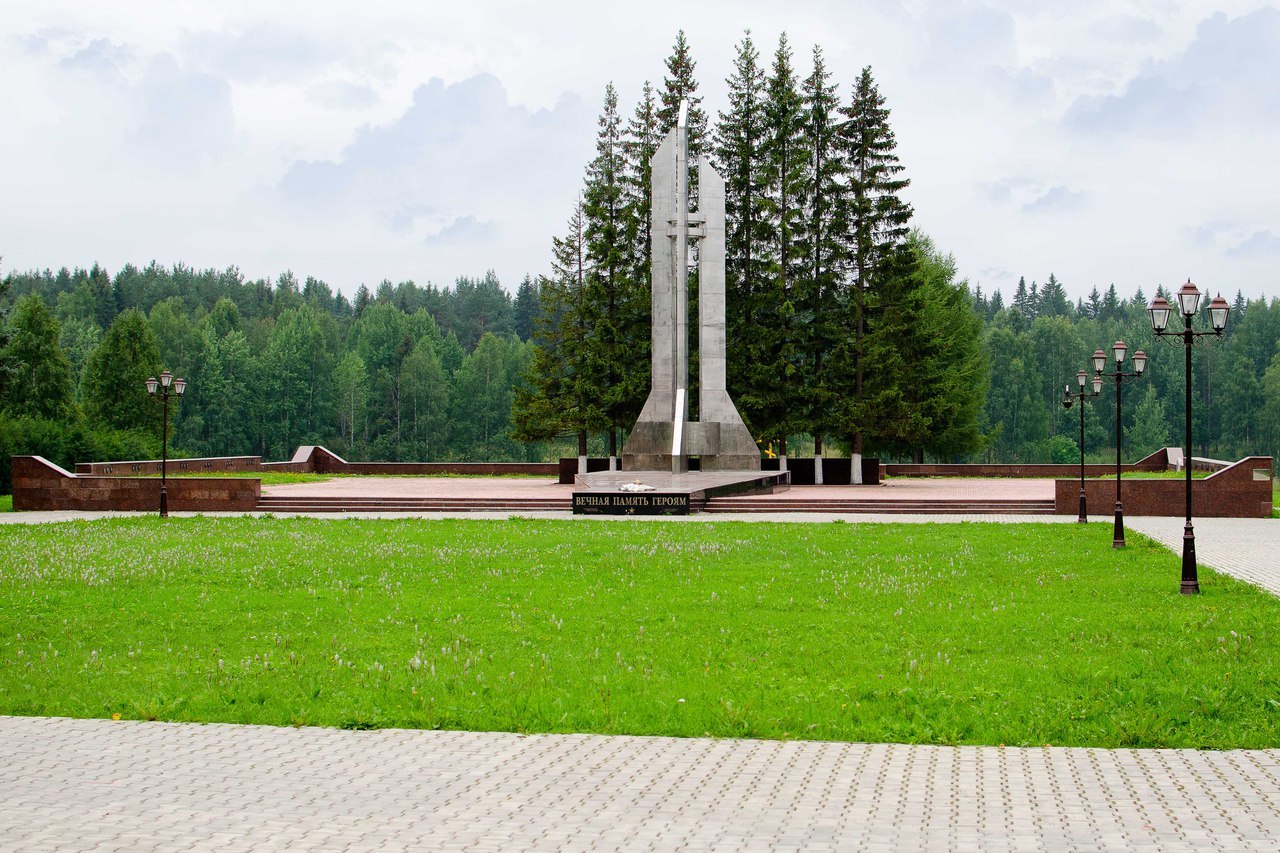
664, 437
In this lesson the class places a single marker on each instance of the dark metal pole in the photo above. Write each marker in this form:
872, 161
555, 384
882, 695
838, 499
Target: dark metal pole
164, 460
1190, 581
1117, 539
1084, 516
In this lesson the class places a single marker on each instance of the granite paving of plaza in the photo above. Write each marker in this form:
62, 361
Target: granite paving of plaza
104, 785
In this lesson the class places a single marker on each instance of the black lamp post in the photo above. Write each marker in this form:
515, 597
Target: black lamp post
1188, 304
1118, 352
1067, 399
160, 389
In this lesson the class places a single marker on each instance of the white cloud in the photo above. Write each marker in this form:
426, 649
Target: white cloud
1104, 140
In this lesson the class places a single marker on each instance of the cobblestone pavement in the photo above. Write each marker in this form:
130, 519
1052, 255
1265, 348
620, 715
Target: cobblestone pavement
1245, 548
95, 784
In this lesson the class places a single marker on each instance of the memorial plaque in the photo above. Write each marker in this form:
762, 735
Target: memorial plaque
630, 503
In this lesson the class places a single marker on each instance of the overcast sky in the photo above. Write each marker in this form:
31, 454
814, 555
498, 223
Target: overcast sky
1108, 141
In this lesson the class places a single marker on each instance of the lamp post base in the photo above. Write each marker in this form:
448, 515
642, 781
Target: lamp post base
1084, 515
1190, 580
1117, 539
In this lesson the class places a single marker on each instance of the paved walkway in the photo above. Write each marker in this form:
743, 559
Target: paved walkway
102, 785
1246, 548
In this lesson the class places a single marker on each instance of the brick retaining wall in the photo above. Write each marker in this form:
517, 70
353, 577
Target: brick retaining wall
1242, 490
38, 484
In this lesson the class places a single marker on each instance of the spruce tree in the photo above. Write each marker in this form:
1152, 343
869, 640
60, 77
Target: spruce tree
738, 143
877, 222
526, 308
115, 393
677, 86
41, 383
950, 372
559, 395
784, 161
1053, 299
821, 246
638, 147
614, 304
6, 367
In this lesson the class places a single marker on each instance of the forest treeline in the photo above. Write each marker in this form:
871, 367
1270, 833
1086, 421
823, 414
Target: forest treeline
271, 368
848, 330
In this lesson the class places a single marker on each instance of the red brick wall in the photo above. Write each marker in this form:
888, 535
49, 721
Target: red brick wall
1235, 492
40, 485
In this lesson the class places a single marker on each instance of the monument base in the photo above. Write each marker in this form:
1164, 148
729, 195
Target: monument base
671, 494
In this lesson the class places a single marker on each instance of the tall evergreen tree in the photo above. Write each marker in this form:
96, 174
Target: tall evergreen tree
878, 222
739, 139
526, 308
41, 384
638, 147
558, 396
678, 85
614, 304
949, 372
115, 393
1053, 299
6, 365
776, 390
821, 247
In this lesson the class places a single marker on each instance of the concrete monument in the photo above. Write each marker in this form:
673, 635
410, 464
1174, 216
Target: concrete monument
664, 438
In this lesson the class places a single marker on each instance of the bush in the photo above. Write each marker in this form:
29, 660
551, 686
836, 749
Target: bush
66, 444
1063, 450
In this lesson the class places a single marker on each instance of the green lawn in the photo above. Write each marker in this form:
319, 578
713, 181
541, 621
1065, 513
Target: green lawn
268, 478
965, 633
6, 503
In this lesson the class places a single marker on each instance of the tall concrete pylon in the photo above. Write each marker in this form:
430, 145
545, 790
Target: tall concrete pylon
664, 437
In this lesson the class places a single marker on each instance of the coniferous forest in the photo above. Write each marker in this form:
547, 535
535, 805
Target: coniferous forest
848, 329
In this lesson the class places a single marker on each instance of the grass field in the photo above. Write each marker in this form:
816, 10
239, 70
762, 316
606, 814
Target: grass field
972, 633
268, 478
6, 503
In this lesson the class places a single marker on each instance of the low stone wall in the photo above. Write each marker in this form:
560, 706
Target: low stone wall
314, 458
1242, 490
211, 464
38, 484
1158, 461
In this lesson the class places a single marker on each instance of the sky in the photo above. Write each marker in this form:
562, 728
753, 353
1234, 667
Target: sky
1126, 142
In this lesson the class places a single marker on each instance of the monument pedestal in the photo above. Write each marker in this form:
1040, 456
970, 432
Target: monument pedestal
670, 494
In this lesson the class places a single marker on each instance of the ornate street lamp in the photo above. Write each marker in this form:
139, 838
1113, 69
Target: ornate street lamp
1067, 399
1117, 376
1188, 305
160, 389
